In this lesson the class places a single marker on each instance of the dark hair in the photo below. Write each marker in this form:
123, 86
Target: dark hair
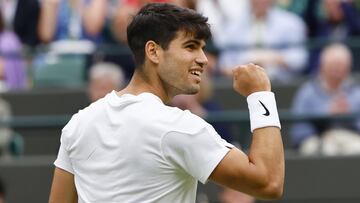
160, 22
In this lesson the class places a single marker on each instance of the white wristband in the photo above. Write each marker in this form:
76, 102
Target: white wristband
262, 110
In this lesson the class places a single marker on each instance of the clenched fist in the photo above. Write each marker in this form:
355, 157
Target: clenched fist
250, 78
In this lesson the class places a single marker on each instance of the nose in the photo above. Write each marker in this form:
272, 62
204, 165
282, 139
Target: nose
202, 60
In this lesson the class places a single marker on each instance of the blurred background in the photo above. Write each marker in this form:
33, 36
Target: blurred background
58, 56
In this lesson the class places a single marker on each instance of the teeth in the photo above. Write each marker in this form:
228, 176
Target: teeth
198, 73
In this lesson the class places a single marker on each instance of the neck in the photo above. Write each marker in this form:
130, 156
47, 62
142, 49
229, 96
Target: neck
141, 82
330, 87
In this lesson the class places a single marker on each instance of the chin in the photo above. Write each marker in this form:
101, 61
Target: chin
193, 91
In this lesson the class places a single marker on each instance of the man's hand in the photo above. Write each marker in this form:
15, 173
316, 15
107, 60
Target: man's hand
339, 105
261, 172
250, 78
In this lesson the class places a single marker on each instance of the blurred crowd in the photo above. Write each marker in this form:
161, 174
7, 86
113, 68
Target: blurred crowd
83, 43
272, 33
52, 43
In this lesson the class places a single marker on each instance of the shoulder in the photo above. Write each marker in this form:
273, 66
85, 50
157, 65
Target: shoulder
83, 116
187, 122
309, 86
307, 91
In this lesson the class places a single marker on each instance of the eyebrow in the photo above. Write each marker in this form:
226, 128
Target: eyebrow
197, 42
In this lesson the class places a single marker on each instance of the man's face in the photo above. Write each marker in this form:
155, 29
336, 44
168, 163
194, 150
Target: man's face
99, 87
335, 68
333, 10
261, 7
181, 65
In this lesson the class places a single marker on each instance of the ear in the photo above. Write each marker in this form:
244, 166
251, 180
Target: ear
152, 51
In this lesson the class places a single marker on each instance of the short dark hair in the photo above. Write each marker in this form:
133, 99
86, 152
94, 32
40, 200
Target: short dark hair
160, 22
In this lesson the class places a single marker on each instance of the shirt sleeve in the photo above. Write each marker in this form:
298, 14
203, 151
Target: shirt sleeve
63, 161
198, 154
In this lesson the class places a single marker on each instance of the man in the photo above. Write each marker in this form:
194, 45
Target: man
332, 92
131, 147
103, 78
261, 36
22, 16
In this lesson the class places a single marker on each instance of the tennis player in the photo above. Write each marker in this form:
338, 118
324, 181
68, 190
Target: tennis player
130, 147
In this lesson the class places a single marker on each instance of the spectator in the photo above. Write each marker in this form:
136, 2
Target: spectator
73, 30
77, 19
221, 14
330, 21
22, 16
104, 78
12, 65
336, 20
331, 93
268, 36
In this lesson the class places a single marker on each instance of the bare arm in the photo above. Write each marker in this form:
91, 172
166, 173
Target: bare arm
48, 20
63, 187
94, 15
261, 173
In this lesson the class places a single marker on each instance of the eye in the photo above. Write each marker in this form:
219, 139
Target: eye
190, 46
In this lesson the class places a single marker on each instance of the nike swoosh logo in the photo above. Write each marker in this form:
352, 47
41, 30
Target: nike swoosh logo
267, 113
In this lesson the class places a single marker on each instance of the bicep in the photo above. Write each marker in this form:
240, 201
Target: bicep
237, 172
63, 187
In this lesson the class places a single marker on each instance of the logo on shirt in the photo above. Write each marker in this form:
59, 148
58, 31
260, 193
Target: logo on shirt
267, 113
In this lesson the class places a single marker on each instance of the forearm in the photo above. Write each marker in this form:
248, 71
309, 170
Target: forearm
94, 16
48, 20
267, 155
261, 173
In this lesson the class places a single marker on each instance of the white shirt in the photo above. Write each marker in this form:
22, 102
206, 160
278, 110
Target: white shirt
281, 31
136, 149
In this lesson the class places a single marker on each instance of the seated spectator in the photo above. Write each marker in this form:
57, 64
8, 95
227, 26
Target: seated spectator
77, 19
12, 65
104, 78
221, 14
268, 36
338, 20
22, 16
330, 21
332, 92
72, 29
